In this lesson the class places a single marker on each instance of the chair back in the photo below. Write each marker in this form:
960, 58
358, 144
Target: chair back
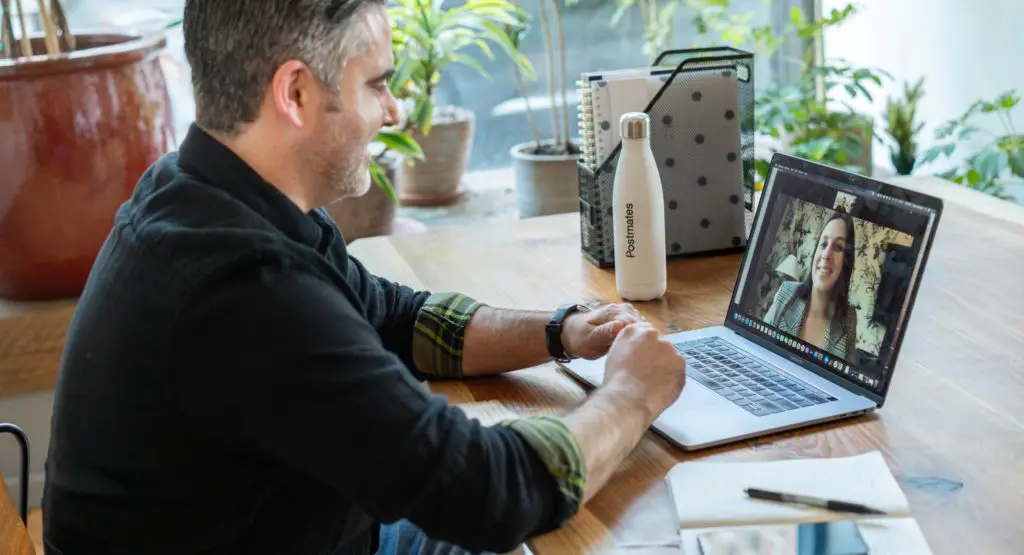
14, 536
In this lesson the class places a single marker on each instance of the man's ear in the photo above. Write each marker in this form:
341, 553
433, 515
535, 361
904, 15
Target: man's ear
292, 91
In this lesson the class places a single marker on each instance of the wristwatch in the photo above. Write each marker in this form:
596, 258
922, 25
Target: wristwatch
553, 331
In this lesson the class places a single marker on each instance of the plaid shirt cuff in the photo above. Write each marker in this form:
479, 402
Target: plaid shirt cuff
556, 445
440, 331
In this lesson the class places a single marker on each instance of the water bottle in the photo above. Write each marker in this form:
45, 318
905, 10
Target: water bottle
638, 209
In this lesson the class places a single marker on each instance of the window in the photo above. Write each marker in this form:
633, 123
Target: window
591, 43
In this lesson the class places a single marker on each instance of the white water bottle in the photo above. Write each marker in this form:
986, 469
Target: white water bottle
638, 211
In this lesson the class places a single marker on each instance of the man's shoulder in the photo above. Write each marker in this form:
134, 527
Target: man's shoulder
170, 198
192, 226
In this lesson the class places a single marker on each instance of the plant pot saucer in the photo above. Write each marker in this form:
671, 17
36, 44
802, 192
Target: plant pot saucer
408, 199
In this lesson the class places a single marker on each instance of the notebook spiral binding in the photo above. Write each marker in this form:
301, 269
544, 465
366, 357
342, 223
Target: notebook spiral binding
585, 113
704, 145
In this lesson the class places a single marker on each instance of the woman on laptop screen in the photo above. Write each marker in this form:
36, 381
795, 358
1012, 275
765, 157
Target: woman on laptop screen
817, 309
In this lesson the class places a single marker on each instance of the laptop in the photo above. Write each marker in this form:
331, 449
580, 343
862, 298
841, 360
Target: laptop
817, 315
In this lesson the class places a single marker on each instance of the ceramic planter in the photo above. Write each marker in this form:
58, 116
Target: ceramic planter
76, 132
545, 183
437, 179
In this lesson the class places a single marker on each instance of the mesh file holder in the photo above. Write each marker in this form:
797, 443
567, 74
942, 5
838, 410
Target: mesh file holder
702, 136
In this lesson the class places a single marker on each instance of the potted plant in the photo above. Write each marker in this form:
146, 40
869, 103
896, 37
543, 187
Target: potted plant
902, 127
545, 169
807, 118
1000, 163
75, 154
431, 37
801, 118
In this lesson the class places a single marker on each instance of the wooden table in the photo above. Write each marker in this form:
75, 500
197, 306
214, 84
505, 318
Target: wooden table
952, 430
14, 538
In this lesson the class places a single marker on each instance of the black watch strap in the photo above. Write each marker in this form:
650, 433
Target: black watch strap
553, 331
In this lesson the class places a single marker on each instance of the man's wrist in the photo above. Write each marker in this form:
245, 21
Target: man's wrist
625, 391
566, 334
557, 339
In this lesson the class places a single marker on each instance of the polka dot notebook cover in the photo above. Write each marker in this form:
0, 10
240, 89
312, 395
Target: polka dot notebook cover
696, 139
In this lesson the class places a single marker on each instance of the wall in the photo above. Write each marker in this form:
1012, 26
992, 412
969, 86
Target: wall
965, 52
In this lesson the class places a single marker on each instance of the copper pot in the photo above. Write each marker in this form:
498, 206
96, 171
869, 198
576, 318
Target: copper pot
77, 130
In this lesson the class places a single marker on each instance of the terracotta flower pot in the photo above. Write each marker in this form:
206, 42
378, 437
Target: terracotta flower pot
369, 215
437, 179
77, 131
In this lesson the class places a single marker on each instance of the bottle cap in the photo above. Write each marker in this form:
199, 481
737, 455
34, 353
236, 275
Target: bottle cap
634, 125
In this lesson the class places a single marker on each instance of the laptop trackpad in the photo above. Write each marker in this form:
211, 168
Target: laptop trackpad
698, 399
700, 416
696, 394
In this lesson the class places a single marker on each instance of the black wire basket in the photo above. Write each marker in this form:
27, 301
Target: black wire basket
702, 136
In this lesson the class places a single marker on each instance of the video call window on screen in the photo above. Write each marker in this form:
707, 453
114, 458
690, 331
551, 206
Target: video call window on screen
831, 277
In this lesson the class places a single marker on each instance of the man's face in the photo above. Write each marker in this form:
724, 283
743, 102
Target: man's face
335, 150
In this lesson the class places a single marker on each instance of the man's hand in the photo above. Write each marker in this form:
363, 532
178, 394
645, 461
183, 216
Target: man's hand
590, 334
644, 366
643, 375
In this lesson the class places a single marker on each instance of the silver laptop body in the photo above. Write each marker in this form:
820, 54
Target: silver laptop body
746, 378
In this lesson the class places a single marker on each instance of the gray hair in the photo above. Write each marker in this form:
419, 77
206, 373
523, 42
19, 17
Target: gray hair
234, 47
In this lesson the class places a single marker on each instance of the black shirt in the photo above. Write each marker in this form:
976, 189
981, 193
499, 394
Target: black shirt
234, 382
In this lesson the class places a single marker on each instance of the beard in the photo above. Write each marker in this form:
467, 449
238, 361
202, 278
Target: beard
338, 165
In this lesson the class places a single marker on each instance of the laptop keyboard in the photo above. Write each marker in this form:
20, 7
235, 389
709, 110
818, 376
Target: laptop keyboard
753, 384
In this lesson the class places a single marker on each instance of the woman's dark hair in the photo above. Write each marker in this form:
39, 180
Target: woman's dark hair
840, 297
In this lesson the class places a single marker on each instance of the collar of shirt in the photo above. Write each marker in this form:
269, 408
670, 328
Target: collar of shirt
220, 167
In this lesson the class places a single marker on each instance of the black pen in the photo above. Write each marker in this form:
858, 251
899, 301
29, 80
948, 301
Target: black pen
829, 504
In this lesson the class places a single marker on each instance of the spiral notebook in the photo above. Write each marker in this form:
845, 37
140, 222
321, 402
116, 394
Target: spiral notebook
604, 97
699, 97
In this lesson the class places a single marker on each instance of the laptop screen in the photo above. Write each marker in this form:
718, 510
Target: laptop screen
831, 271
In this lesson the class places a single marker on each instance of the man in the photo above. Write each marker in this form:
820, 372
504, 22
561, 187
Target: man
234, 382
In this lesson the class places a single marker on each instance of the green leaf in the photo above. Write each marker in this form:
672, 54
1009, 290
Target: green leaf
762, 168
864, 91
422, 115
1016, 162
936, 151
818, 148
470, 62
966, 133
403, 68
1008, 100
619, 12
401, 143
862, 73
973, 177
991, 164
946, 129
380, 177
853, 147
